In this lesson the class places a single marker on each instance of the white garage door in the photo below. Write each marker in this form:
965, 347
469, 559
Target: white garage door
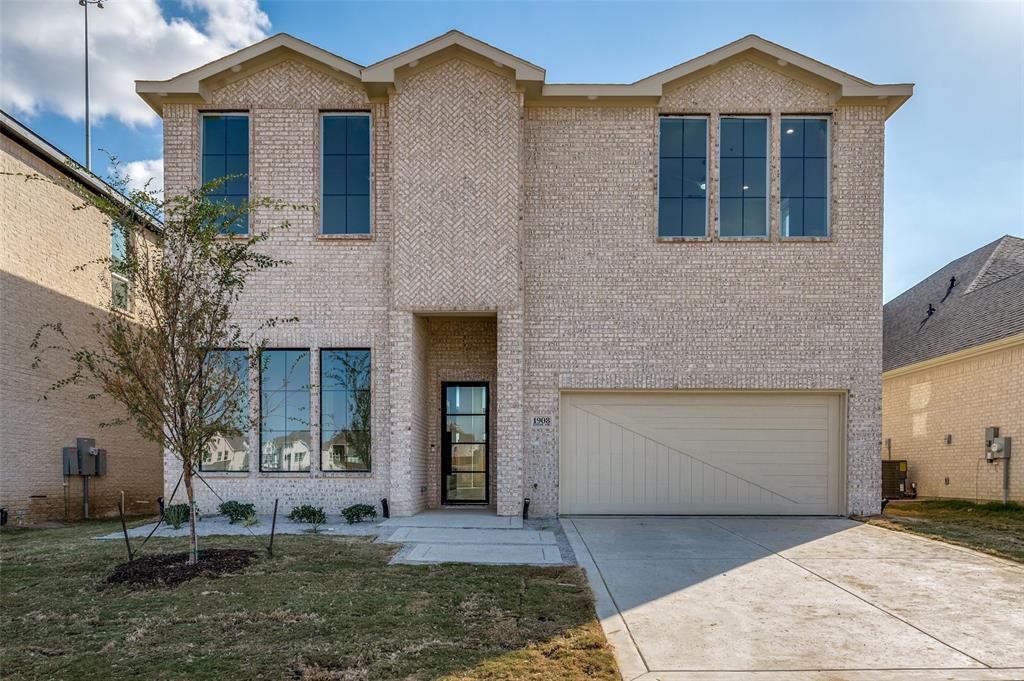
700, 452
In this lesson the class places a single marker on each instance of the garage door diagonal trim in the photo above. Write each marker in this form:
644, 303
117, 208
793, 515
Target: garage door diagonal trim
688, 455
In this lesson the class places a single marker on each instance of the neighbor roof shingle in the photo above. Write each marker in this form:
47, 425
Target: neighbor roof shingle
985, 305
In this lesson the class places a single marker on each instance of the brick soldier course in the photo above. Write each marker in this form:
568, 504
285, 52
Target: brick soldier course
514, 240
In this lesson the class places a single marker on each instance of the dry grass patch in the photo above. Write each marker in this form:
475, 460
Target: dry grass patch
990, 527
322, 608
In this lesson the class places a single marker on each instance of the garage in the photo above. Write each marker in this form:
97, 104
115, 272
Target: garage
721, 453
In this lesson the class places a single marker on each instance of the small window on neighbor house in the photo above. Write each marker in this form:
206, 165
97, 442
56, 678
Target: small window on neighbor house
804, 177
345, 175
683, 177
229, 451
743, 171
120, 288
345, 410
284, 410
225, 139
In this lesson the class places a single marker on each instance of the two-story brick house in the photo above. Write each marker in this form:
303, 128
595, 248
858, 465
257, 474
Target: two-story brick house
661, 297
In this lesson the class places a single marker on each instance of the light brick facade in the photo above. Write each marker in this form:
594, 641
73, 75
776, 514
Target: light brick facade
43, 237
959, 398
514, 241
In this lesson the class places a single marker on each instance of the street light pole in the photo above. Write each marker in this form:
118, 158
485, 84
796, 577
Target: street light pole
88, 123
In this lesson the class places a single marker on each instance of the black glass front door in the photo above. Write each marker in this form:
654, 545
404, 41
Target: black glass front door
464, 443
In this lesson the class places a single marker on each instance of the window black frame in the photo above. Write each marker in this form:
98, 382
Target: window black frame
827, 158
767, 175
369, 190
248, 401
259, 373
446, 441
320, 424
248, 165
707, 152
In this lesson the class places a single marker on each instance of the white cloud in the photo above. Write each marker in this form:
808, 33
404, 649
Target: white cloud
42, 61
141, 172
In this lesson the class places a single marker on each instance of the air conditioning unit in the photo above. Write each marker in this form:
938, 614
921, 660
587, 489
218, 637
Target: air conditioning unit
894, 479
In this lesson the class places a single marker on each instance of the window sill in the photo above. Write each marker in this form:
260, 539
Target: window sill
805, 239
745, 239
345, 237
232, 237
284, 474
224, 474
682, 239
346, 474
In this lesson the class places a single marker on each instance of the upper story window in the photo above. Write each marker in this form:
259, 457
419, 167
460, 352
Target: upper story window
230, 451
743, 189
225, 149
804, 177
284, 410
683, 177
345, 410
120, 287
345, 180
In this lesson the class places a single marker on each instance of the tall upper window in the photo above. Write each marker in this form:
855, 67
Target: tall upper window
120, 289
225, 140
345, 183
284, 410
230, 451
804, 177
743, 189
345, 410
683, 177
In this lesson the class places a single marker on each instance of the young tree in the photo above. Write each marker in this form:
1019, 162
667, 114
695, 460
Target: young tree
182, 280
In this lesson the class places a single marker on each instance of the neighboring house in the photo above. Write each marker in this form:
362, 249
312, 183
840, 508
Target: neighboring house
661, 297
954, 366
44, 236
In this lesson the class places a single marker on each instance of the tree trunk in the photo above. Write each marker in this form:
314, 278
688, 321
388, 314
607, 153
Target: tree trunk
193, 539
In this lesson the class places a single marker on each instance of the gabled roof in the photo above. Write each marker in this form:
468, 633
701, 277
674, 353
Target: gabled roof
195, 85
986, 304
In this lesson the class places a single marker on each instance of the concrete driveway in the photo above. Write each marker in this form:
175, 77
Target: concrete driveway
798, 598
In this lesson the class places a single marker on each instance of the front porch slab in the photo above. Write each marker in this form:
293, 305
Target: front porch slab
443, 535
466, 518
484, 554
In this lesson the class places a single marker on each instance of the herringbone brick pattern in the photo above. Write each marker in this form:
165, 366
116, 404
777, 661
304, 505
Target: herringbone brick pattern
290, 85
456, 143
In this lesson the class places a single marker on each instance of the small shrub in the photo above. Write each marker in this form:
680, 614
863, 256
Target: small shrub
313, 515
250, 520
176, 515
356, 512
235, 511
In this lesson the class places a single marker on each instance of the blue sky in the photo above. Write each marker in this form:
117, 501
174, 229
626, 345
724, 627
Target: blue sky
954, 153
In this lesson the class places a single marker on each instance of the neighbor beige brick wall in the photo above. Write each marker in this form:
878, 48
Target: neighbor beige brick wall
42, 238
958, 398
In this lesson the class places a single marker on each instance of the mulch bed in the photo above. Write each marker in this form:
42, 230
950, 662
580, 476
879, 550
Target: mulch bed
171, 569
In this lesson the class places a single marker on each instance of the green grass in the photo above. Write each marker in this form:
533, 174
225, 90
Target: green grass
991, 527
321, 608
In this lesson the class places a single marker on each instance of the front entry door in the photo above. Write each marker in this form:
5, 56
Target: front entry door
464, 443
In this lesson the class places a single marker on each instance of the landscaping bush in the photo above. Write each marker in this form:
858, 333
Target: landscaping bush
356, 512
250, 520
236, 510
313, 515
176, 515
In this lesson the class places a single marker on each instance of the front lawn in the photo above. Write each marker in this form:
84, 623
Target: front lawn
990, 527
321, 608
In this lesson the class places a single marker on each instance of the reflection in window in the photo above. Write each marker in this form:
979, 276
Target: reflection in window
120, 290
229, 450
345, 191
743, 186
284, 410
226, 154
345, 410
682, 177
804, 177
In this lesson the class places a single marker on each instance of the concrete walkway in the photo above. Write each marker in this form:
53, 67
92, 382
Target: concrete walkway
741, 598
472, 536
